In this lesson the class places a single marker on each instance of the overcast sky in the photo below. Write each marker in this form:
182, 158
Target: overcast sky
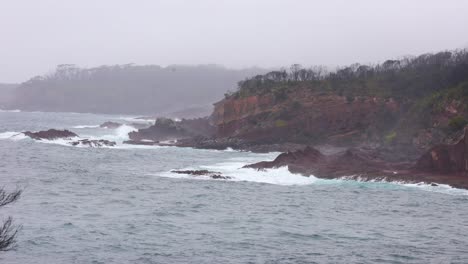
36, 35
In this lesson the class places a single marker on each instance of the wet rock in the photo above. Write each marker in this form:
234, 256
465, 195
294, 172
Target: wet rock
94, 143
50, 134
165, 129
368, 165
110, 124
211, 174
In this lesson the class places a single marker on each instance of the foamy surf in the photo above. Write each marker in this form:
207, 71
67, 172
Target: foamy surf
85, 126
440, 188
282, 176
10, 111
234, 170
12, 135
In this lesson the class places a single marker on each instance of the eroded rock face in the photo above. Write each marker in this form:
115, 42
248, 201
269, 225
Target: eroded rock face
304, 116
50, 134
445, 158
93, 143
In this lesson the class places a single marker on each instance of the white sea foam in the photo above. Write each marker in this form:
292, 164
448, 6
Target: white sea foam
137, 119
10, 111
120, 134
279, 176
12, 135
282, 176
440, 188
86, 126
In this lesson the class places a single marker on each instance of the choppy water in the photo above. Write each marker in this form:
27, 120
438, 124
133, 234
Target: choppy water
121, 205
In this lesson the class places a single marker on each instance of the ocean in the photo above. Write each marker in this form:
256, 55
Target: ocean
123, 205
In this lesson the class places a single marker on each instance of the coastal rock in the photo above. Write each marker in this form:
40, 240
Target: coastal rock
311, 161
211, 174
368, 165
165, 129
446, 158
93, 143
50, 134
110, 124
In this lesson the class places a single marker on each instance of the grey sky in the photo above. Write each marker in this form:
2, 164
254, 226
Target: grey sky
35, 35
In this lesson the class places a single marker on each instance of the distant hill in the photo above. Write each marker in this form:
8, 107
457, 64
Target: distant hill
6, 94
129, 89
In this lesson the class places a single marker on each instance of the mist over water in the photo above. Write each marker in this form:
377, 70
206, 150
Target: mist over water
122, 205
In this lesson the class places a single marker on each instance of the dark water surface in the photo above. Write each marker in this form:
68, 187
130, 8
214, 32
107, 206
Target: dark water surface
121, 205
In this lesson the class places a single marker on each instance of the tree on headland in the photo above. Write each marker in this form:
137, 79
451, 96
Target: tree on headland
8, 231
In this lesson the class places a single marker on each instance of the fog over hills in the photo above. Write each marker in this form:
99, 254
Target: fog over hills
129, 89
6, 93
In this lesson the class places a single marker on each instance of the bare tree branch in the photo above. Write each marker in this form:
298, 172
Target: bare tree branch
7, 198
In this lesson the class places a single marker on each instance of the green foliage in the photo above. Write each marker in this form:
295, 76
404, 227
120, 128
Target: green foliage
408, 78
457, 123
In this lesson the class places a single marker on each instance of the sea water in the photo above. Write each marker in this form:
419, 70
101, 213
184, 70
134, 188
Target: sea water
122, 204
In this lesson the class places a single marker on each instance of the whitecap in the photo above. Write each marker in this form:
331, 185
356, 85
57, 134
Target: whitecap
439, 188
86, 126
278, 176
12, 135
10, 111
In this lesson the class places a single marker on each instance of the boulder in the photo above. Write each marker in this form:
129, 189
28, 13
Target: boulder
50, 134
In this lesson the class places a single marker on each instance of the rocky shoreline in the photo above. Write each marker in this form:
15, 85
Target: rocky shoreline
442, 164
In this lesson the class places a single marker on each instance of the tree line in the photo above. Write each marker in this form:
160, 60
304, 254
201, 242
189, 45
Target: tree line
406, 77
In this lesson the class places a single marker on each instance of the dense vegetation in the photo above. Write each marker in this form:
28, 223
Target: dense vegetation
410, 77
128, 89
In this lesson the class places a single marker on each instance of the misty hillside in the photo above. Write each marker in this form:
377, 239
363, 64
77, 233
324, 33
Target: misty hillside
129, 89
6, 94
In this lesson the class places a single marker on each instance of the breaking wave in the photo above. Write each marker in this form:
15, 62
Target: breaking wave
12, 135
119, 135
282, 176
86, 126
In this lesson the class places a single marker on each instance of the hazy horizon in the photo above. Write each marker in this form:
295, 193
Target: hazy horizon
37, 36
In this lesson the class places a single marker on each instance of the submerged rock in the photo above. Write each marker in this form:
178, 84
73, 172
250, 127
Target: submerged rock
94, 143
50, 134
110, 124
211, 174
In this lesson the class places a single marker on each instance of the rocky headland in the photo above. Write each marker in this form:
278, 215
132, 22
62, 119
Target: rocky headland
401, 120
